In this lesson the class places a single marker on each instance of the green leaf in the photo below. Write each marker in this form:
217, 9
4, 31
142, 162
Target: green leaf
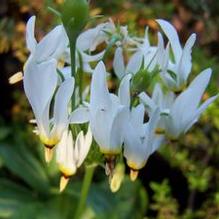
12, 197
21, 162
118, 205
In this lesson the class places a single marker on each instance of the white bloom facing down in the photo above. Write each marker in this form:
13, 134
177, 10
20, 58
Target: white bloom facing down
179, 113
107, 114
158, 100
186, 108
40, 83
144, 56
140, 138
70, 155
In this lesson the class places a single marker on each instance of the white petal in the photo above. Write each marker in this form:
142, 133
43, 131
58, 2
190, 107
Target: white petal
84, 149
152, 124
30, 38
80, 115
117, 129
157, 95
150, 60
185, 105
147, 101
137, 116
124, 90
65, 153
157, 142
135, 63
160, 49
62, 99
134, 151
52, 45
89, 39
185, 63
199, 111
100, 123
92, 58
40, 81
198, 86
99, 97
172, 35
118, 63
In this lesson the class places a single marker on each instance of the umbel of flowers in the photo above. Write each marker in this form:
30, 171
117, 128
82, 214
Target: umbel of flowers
63, 106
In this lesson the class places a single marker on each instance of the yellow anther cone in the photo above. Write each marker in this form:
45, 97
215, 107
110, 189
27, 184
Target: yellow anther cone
63, 183
133, 175
48, 154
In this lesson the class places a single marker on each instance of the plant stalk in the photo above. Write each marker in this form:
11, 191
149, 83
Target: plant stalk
72, 44
89, 171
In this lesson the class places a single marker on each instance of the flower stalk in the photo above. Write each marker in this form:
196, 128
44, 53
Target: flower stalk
89, 172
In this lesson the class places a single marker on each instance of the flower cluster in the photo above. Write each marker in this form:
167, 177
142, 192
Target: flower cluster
129, 122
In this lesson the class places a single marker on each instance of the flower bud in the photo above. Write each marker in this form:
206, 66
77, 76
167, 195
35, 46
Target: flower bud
75, 15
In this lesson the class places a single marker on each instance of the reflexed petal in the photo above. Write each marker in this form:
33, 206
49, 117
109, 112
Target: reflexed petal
135, 63
40, 81
92, 58
160, 49
118, 63
99, 97
198, 86
190, 98
137, 117
62, 99
52, 45
158, 140
152, 124
199, 111
172, 35
124, 91
100, 123
84, 149
117, 129
65, 154
157, 95
30, 38
185, 63
80, 115
89, 39
150, 61
147, 101
134, 151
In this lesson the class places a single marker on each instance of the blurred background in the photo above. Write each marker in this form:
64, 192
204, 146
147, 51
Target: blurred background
181, 180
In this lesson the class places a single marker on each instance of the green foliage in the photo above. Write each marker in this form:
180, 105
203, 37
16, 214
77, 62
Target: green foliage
165, 205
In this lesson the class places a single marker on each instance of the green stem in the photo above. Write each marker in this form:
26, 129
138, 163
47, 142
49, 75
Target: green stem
89, 171
73, 67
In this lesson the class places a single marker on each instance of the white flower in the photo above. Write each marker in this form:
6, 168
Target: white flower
158, 100
88, 41
140, 138
91, 38
107, 112
186, 109
52, 45
175, 72
40, 83
70, 155
145, 57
